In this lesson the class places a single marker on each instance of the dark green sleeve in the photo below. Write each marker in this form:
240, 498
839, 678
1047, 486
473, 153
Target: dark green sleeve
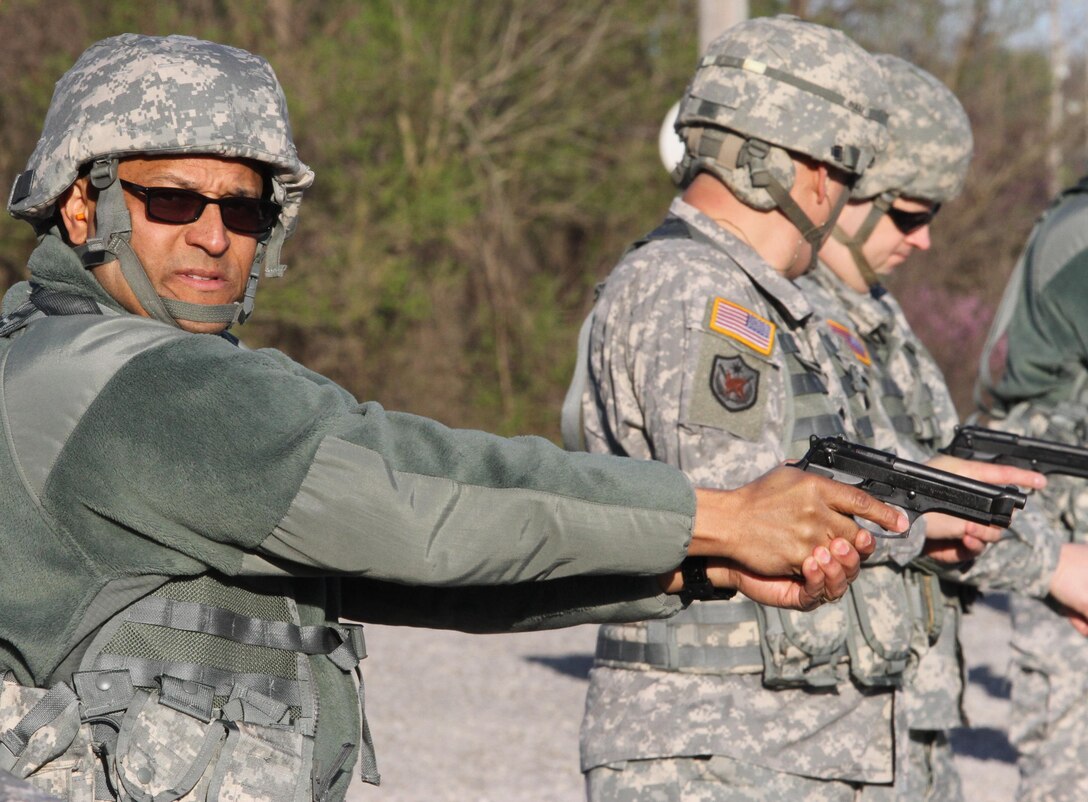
1048, 337
196, 453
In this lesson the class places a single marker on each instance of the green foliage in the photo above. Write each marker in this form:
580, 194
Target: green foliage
482, 164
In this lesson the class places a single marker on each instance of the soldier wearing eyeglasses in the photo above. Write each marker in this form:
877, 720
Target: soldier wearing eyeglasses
886, 221
188, 525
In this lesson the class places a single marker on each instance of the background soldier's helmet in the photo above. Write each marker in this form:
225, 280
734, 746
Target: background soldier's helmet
771, 85
929, 150
134, 95
930, 143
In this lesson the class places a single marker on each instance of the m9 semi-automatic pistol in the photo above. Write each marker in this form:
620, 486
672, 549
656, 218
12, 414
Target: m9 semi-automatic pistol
1003, 448
911, 486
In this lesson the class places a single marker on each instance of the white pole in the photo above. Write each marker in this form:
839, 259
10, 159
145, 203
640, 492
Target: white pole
1059, 71
714, 17
717, 15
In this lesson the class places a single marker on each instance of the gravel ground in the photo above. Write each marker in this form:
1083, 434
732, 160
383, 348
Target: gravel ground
469, 718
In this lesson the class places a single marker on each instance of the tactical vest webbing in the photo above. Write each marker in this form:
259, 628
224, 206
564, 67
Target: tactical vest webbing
203, 687
915, 418
789, 648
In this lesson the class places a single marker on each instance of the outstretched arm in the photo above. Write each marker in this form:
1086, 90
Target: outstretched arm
787, 539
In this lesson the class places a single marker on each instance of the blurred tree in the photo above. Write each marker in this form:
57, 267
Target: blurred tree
482, 164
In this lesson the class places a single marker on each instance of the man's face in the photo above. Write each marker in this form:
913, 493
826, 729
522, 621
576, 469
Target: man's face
203, 262
887, 246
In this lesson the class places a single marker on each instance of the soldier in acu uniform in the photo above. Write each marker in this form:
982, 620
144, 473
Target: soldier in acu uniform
887, 219
1043, 392
702, 352
186, 522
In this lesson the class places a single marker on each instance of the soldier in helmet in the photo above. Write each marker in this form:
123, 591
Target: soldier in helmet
888, 218
187, 520
1041, 393
702, 352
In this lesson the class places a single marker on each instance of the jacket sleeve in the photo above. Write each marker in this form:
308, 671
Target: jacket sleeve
196, 454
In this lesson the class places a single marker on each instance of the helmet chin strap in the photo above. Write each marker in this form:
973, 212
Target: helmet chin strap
113, 229
752, 155
856, 243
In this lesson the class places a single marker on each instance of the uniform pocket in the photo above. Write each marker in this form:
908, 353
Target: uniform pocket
163, 753
802, 648
880, 626
260, 762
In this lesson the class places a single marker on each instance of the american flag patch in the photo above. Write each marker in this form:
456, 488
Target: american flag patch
853, 342
741, 324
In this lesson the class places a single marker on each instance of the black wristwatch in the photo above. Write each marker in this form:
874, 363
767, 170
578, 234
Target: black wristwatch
697, 585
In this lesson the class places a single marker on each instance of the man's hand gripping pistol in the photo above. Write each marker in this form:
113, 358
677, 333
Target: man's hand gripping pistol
915, 488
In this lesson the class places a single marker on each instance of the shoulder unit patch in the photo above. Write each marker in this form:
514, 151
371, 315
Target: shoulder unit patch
742, 325
734, 383
852, 340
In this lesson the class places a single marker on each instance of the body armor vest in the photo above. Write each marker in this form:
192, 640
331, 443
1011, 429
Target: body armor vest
202, 688
914, 418
870, 629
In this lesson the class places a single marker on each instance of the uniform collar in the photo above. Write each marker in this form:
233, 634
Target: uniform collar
786, 295
868, 314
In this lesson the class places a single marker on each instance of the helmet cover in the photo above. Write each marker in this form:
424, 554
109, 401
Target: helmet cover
133, 95
930, 142
793, 84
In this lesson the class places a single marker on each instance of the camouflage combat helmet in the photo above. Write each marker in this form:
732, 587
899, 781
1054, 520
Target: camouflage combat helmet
133, 95
929, 149
771, 85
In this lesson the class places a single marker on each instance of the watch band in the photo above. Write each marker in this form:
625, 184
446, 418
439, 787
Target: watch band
697, 584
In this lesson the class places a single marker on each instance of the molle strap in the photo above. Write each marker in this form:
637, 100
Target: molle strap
252, 707
368, 761
813, 414
788, 343
193, 617
819, 425
57, 703
145, 673
890, 388
807, 384
903, 424
186, 696
103, 692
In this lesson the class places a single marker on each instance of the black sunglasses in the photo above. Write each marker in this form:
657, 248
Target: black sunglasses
179, 206
907, 222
